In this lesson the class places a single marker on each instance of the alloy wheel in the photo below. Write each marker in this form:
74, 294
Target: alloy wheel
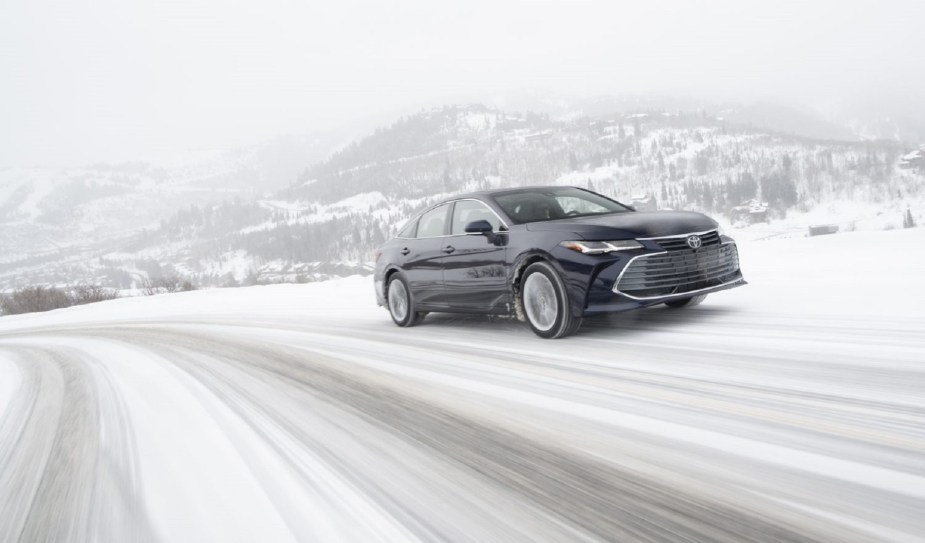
398, 300
540, 301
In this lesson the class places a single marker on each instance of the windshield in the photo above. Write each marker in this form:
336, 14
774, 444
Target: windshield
549, 204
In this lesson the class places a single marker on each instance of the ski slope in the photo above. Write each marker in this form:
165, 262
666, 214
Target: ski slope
791, 409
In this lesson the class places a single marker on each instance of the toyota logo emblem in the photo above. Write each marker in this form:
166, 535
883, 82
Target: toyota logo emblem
694, 242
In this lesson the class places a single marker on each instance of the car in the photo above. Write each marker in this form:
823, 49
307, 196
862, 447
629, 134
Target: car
550, 256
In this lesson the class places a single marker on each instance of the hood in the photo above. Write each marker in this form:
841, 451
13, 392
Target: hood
652, 224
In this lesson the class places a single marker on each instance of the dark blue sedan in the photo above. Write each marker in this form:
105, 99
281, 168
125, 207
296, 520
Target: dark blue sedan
550, 256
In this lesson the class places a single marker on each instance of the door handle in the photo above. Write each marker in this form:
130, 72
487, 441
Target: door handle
449, 249
405, 251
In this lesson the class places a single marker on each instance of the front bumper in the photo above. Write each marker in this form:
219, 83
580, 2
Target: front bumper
614, 303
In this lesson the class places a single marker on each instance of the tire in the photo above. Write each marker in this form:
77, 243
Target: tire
400, 302
545, 302
687, 302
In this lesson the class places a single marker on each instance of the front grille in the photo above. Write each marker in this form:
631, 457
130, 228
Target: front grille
680, 271
679, 243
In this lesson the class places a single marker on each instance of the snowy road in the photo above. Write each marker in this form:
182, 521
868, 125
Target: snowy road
792, 409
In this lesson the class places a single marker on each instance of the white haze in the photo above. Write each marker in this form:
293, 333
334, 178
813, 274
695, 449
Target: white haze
112, 80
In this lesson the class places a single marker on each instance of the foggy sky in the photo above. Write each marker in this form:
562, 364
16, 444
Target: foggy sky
113, 80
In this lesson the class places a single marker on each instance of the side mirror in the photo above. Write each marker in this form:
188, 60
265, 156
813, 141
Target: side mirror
479, 228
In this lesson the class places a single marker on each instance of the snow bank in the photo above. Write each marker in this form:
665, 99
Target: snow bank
340, 295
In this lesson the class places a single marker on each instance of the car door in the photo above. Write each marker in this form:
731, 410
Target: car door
423, 264
475, 268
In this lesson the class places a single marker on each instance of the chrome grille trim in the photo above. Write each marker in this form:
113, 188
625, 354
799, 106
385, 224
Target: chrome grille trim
678, 243
682, 235
676, 272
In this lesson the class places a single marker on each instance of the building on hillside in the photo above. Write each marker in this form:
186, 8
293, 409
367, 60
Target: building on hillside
823, 229
914, 160
645, 202
750, 212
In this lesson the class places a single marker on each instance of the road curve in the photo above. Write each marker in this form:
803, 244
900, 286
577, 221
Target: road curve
300, 413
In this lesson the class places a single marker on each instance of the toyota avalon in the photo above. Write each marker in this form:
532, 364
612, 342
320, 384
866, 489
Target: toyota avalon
550, 256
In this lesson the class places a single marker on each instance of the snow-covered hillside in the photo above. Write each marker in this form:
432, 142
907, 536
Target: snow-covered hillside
56, 223
343, 208
329, 221
789, 409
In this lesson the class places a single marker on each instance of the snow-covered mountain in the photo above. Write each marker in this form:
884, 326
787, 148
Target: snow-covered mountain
328, 219
54, 222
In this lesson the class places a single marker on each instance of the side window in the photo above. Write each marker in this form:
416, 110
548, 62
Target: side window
408, 230
433, 223
467, 211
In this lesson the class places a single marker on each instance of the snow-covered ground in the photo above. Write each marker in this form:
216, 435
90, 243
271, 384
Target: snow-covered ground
791, 409
847, 215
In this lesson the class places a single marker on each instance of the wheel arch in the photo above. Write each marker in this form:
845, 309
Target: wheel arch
577, 293
389, 272
524, 261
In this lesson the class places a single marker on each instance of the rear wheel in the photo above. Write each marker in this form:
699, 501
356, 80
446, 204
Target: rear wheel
687, 302
401, 303
545, 302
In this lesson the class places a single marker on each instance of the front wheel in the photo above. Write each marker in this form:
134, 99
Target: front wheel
687, 302
401, 304
545, 302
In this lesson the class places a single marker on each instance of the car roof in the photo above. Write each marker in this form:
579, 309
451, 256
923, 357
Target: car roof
483, 193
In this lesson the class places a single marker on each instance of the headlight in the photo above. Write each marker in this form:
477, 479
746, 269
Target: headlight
601, 247
720, 231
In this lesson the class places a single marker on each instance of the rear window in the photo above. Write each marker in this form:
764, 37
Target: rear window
408, 230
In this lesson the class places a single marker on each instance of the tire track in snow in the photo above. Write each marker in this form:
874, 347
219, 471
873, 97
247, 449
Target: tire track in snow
48, 466
59, 509
66, 463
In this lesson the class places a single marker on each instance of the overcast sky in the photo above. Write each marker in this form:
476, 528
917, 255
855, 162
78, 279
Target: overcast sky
115, 79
